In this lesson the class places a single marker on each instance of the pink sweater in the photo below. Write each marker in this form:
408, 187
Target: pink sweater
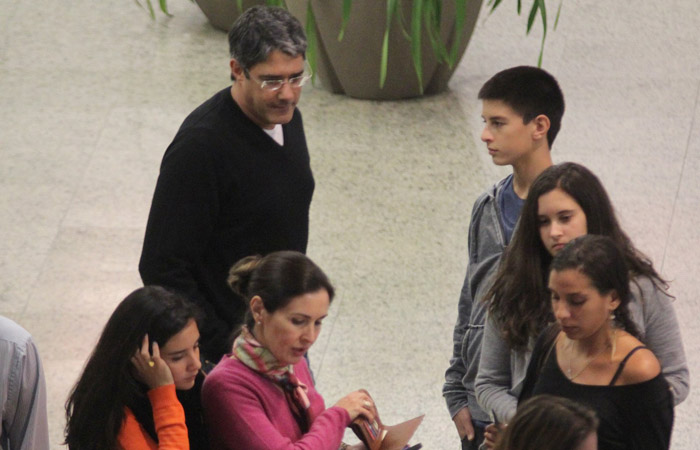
246, 411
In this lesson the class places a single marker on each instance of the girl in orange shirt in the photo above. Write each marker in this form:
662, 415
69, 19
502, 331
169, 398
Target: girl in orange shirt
145, 366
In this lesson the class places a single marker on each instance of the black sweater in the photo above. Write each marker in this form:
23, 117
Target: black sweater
226, 190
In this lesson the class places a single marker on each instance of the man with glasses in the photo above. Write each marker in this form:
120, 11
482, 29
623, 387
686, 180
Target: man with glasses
236, 180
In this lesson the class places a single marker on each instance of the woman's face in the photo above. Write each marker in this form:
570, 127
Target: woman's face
181, 354
579, 308
560, 220
289, 332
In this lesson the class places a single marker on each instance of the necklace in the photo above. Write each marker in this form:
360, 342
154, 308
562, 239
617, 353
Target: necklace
571, 376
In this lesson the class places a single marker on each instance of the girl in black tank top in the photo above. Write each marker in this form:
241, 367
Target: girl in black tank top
596, 358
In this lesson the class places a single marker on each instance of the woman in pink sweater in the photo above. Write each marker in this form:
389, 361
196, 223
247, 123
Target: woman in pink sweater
261, 396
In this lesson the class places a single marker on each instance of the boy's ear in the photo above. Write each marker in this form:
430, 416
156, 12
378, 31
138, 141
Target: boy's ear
542, 125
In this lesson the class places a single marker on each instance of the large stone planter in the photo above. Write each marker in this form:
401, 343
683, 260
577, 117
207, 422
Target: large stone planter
222, 13
352, 66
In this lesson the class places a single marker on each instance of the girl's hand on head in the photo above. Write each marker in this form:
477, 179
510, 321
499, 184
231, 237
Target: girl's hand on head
151, 369
358, 403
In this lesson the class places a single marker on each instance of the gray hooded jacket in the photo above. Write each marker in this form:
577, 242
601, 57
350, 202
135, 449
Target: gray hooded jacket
486, 244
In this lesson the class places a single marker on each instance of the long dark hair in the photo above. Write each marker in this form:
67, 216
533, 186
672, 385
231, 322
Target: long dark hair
546, 422
599, 259
519, 299
95, 406
277, 278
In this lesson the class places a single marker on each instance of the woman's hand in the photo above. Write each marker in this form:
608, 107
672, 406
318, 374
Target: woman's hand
491, 433
151, 369
358, 403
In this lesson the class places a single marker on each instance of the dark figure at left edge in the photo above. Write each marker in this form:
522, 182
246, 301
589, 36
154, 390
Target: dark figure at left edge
236, 180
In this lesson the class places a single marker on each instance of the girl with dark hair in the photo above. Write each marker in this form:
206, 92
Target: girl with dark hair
546, 422
566, 201
261, 396
596, 358
142, 372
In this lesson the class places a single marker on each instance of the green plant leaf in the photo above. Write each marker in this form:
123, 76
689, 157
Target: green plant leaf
494, 5
416, 31
383, 62
347, 4
391, 6
543, 13
460, 19
556, 19
164, 6
531, 16
520, 6
431, 28
239, 3
151, 12
428, 17
432, 15
311, 40
401, 18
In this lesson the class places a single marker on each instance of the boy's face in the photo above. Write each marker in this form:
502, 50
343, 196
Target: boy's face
507, 138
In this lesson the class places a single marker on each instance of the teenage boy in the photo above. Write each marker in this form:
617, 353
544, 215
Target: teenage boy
522, 109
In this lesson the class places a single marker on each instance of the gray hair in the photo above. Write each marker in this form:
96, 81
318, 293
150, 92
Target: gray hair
262, 29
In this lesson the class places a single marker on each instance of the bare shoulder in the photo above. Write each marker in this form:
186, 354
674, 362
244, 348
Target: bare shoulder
641, 366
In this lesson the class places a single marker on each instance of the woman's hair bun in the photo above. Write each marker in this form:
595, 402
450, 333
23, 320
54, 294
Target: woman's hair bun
240, 274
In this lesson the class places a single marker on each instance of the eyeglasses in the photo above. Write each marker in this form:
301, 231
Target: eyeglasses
274, 85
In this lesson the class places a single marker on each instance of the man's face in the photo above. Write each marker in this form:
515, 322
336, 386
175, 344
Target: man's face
507, 138
268, 107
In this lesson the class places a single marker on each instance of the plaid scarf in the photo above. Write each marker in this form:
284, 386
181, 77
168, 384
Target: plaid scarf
251, 353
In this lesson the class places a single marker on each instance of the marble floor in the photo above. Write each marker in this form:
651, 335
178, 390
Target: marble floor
91, 93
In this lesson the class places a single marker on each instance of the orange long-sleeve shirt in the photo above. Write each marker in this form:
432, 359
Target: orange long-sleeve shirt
169, 419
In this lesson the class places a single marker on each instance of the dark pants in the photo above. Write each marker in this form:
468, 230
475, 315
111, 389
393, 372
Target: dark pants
475, 443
